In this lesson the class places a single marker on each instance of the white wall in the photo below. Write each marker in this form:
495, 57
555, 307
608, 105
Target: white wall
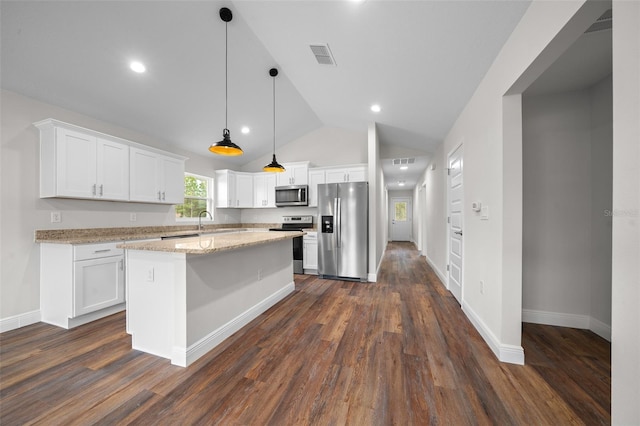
325, 146
22, 211
435, 181
492, 174
377, 203
625, 347
567, 169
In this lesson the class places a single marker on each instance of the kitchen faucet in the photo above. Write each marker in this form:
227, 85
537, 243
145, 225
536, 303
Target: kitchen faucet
200, 219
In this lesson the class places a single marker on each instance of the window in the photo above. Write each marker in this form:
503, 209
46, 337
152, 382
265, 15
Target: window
401, 211
198, 197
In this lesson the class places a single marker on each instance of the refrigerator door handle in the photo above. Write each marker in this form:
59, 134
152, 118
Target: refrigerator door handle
338, 223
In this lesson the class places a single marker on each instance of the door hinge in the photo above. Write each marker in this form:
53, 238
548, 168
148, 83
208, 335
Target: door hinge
448, 219
447, 268
448, 172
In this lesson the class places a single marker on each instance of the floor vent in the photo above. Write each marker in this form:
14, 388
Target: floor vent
323, 54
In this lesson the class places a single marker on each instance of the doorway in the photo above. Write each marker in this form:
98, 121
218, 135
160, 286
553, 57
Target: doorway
400, 215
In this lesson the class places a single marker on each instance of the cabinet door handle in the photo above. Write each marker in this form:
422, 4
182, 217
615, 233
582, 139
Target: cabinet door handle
163, 195
93, 191
159, 196
102, 251
101, 190
121, 264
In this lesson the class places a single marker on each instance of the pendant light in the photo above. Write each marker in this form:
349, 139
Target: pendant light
225, 146
274, 166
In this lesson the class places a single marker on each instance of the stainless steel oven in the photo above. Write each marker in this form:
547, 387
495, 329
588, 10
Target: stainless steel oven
296, 223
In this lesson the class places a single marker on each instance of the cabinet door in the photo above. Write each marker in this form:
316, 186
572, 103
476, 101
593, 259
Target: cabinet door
143, 185
310, 259
316, 177
335, 176
225, 189
112, 170
300, 175
271, 190
172, 180
76, 167
97, 284
259, 190
357, 174
285, 178
244, 190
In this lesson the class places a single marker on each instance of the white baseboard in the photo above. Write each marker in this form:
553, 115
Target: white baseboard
601, 329
560, 319
372, 278
184, 358
505, 353
21, 320
438, 272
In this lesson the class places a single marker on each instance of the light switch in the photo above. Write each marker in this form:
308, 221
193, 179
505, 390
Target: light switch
484, 213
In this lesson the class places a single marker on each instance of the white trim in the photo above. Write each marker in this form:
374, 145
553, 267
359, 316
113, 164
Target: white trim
184, 358
372, 278
20, 320
438, 272
505, 353
555, 318
560, 319
600, 328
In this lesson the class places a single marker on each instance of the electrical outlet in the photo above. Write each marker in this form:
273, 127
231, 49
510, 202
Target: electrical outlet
481, 287
150, 275
56, 217
132, 217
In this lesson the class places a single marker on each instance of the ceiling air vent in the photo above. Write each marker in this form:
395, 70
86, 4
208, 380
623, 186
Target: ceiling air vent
323, 54
604, 22
400, 161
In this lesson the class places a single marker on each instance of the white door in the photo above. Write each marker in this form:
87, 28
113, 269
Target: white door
455, 222
401, 220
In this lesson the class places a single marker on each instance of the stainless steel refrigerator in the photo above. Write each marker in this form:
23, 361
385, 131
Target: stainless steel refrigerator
343, 234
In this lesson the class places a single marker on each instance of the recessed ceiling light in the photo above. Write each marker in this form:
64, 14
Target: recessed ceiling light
404, 167
376, 108
137, 66
400, 183
245, 130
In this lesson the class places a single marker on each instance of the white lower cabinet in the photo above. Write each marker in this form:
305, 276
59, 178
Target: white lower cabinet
80, 283
310, 253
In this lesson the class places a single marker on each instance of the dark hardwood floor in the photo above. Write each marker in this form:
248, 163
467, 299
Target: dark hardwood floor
396, 352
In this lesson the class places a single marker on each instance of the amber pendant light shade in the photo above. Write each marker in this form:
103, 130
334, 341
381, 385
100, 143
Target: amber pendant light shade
225, 146
274, 166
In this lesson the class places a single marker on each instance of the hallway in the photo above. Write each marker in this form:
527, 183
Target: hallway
399, 351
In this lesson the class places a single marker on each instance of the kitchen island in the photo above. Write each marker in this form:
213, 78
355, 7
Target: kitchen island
185, 296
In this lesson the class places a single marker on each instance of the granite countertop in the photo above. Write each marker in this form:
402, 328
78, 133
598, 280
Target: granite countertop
104, 235
211, 243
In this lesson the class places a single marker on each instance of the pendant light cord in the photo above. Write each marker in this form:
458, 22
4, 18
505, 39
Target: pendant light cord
274, 116
226, 72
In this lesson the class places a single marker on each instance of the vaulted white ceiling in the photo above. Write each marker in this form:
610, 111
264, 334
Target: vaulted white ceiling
420, 60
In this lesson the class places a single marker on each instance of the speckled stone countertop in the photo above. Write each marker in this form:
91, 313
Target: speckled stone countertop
211, 243
103, 235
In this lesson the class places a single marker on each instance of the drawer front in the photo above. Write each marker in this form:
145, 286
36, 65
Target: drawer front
95, 251
310, 236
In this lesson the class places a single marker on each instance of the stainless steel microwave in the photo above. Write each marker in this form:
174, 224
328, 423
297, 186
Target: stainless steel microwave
292, 195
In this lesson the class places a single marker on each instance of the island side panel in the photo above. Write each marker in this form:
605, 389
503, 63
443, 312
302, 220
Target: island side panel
227, 290
156, 305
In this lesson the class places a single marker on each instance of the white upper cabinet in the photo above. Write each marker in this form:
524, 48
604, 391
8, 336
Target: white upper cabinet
316, 177
80, 163
264, 190
346, 174
156, 178
295, 174
77, 165
234, 189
